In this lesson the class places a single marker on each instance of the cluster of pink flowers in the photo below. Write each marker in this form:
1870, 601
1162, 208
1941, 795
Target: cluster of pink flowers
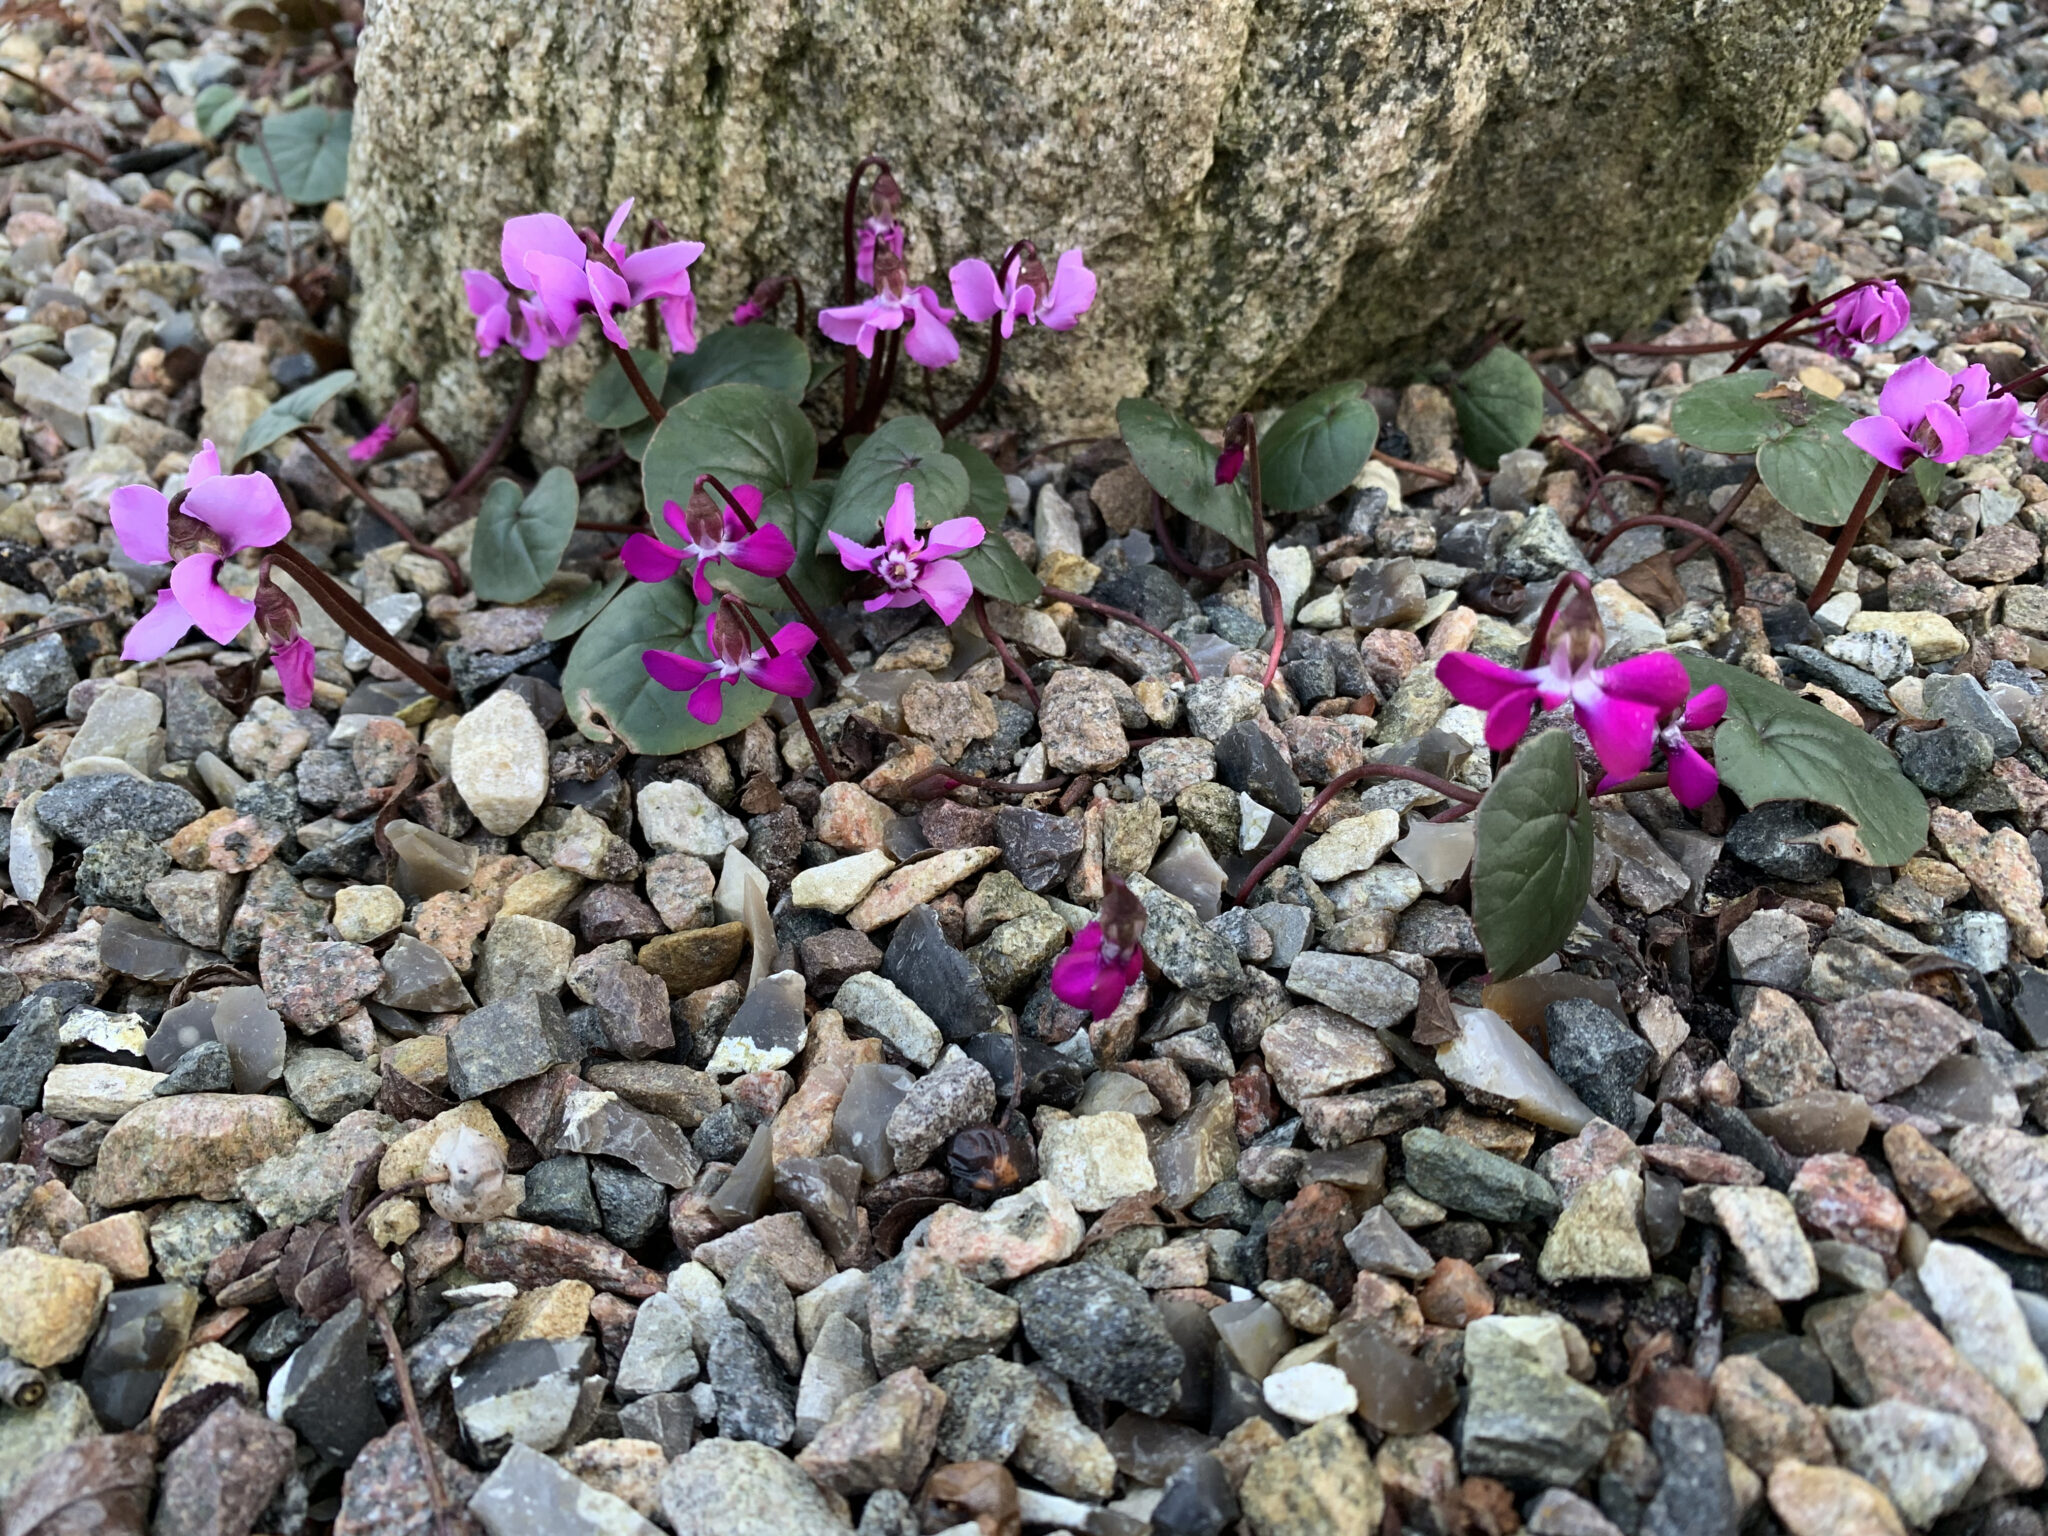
1626, 710
555, 276
215, 517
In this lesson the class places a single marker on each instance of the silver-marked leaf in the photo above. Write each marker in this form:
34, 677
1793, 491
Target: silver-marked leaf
998, 573
1927, 478
611, 400
765, 355
1814, 471
742, 433
1725, 415
607, 690
1499, 401
1317, 447
1774, 745
1180, 464
906, 450
583, 607
294, 411
1533, 867
309, 147
520, 540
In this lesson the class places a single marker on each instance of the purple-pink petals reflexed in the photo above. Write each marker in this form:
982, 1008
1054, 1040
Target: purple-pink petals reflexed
1868, 316
1693, 779
366, 448
1229, 463
1057, 304
710, 534
1620, 706
778, 667
746, 312
221, 515
294, 663
914, 570
542, 258
1923, 412
930, 340
875, 233
660, 273
1096, 972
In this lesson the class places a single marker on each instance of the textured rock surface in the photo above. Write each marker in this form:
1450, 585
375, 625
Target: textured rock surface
1240, 174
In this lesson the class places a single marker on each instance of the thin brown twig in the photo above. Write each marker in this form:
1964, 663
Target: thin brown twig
48, 90
1738, 591
1410, 467
502, 438
1124, 615
1336, 786
1010, 662
55, 146
309, 436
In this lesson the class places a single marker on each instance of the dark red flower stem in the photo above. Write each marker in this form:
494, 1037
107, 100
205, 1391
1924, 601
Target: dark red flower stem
917, 787
1540, 635
1010, 662
847, 292
993, 365
342, 607
789, 589
1784, 327
1127, 617
1679, 348
53, 146
1258, 572
1852, 530
1336, 786
441, 450
1600, 433
601, 468
2026, 378
648, 401
1738, 593
1727, 513
803, 713
502, 438
1269, 596
391, 519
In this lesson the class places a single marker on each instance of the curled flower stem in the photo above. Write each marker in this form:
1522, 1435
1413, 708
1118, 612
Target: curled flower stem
789, 589
1852, 530
390, 518
648, 401
1257, 571
1010, 662
917, 787
803, 713
1124, 615
1336, 786
846, 289
1727, 513
54, 146
502, 439
49, 91
342, 607
994, 363
601, 468
1738, 593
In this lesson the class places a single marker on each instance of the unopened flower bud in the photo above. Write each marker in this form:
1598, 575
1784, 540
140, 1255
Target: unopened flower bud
1576, 626
277, 616
702, 517
731, 641
1123, 917
885, 197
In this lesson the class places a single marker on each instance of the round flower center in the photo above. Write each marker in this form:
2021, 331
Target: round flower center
896, 568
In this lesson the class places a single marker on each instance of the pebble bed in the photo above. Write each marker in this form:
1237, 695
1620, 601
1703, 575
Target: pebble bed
736, 1173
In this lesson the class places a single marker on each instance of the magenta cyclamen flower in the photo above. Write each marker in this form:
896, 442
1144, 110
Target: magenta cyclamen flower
661, 273
930, 340
875, 234
218, 516
709, 536
1620, 707
1096, 972
542, 257
779, 667
2030, 426
914, 570
1922, 412
1693, 779
1228, 465
1026, 294
277, 619
1868, 316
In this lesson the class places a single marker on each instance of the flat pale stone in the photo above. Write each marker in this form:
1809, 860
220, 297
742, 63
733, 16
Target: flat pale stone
1765, 1231
1932, 637
1096, 1160
838, 887
1352, 845
1974, 1299
97, 1091
499, 762
916, 884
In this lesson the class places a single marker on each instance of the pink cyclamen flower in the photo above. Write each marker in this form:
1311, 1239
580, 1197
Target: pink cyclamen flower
2029, 425
218, 516
875, 234
1057, 304
1620, 707
1693, 779
930, 341
374, 442
542, 258
1105, 958
1922, 412
1868, 316
778, 667
660, 273
1228, 464
711, 534
914, 570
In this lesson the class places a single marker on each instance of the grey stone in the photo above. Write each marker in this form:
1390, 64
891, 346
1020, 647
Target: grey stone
323, 1390
85, 810
529, 1494
1462, 1177
507, 1042
1695, 1498
1097, 1327
738, 1488
526, 1392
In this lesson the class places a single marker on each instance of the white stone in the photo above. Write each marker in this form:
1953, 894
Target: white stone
1308, 1394
1488, 1056
123, 1033
1353, 844
1096, 1160
1325, 612
1253, 820
1765, 1230
838, 887
123, 723
97, 1091
678, 817
1439, 855
879, 1005
499, 762
1983, 1320
366, 912
1292, 568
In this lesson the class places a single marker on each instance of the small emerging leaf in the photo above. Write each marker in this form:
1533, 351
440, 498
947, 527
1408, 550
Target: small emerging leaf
215, 109
294, 411
582, 608
1533, 867
1180, 464
1499, 400
1317, 448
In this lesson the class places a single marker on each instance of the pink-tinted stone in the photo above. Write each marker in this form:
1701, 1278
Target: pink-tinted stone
1838, 1196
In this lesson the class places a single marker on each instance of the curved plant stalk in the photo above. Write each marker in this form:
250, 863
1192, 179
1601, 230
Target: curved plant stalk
1410, 467
1852, 530
309, 436
1010, 662
1255, 570
797, 600
1783, 330
342, 607
53, 146
1679, 348
1738, 592
1469, 798
847, 293
649, 402
502, 438
994, 362
925, 786
1541, 632
803, 713
1124, 615
1600, 433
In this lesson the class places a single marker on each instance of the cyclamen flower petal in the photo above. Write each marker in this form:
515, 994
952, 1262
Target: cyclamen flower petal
646, 558
536, 235
1619, 707
217, 611
1924, 412
294, 663
1072, 294
915, 570
1868, 316
142, 522
372, 443
1693, 779
1704, 710
157, 631
1084, 978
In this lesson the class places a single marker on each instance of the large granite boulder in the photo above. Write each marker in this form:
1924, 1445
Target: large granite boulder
1271, 190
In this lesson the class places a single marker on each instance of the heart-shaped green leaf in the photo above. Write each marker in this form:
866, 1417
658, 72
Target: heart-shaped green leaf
1317, 448
309, 147
1533, 867
905, 450
1724, 415
998, 573
215, 109
607, 690
765, 355
987, 497
1814, 470
1774, 745
1499, 401
611, 400
294, 411
742, 433
582, 608
519, 541
1180, 464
